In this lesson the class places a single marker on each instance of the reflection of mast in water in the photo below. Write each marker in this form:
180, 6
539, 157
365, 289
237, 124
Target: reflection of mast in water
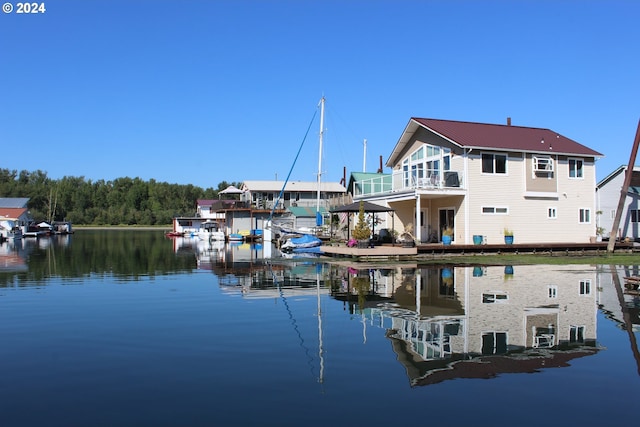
295, 324
320, 348
625, 316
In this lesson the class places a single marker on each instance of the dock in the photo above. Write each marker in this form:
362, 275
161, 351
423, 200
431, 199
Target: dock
399, 252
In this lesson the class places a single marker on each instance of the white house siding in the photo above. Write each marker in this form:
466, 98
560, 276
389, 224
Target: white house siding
608, 197
528, 216
568, 307
572, 303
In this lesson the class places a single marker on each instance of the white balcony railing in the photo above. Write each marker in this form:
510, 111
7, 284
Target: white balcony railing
399, 181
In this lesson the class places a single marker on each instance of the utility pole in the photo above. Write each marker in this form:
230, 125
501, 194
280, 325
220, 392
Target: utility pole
613, 235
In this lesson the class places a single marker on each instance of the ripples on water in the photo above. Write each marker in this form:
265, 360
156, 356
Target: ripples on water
129, 328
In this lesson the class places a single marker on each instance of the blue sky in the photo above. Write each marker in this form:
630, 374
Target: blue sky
199, 92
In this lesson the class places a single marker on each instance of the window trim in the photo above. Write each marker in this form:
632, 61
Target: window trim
495, 300
543, 164
581, 169
496, 209
494, 155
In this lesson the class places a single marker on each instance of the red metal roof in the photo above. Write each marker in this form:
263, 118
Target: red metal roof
505, 137
14, 213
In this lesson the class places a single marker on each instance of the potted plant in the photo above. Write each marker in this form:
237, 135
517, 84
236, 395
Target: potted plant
447, 235
406, 238
361, 231
508, 236
599, 229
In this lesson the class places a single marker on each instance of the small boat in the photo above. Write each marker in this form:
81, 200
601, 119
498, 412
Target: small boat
211, 231
174, 234
235, 237
9, 229
304, 241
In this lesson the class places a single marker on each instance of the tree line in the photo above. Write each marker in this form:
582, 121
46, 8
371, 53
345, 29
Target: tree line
123, 201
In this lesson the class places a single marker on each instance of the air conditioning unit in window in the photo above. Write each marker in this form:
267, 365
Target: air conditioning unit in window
542, 164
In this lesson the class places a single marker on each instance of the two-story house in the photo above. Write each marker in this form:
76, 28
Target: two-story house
608, 198
481, 179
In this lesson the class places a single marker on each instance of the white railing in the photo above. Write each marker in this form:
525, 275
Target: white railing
399, 181
372, 186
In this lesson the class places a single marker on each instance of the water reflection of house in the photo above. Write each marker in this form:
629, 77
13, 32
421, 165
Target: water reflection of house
12, 258
511, 319
272, 280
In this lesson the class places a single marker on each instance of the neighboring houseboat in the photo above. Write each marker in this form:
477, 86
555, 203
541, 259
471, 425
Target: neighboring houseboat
297, 206
13, 223
482, 179
10, 229
608, 198
245, 219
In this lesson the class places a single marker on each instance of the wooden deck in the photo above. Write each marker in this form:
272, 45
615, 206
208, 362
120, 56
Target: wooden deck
382, 251
399, 252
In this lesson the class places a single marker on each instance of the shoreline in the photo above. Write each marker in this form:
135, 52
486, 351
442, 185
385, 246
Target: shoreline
123, 227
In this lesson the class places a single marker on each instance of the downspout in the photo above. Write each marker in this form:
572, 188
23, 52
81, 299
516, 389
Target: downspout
467, 220
418, 226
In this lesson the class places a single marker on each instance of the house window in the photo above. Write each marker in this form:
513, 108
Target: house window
576, 334
494, 298
419, 154
542, 164
635, 215
405, 172
493, 210
585, 287
494, 163
576, 168
585, 216
552, 213
494, 343
417, 173
552, 291
612, 214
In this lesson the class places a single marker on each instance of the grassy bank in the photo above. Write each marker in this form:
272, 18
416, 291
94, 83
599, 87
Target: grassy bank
524, 259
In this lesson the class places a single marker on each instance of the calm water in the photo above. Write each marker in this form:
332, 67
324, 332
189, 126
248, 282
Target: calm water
121, 328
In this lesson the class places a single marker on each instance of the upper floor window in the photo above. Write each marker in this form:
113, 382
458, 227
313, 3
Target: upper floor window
494, 163
542, 164
576, 168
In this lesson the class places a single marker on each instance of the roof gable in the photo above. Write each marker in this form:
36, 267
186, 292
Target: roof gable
494, 137
621, 170
12, 213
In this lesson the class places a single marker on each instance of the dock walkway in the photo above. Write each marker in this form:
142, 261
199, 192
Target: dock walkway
399, 252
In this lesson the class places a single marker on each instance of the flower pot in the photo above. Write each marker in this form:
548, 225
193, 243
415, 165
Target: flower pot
508, 240
477, 239
446, 240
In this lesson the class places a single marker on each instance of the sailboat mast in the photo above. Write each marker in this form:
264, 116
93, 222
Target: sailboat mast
320, 159
364, 157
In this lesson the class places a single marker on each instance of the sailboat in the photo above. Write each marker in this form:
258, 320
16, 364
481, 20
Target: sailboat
305, 241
